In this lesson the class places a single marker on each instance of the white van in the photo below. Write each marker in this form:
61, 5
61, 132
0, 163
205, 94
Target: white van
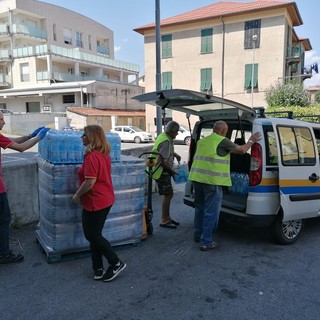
280, 184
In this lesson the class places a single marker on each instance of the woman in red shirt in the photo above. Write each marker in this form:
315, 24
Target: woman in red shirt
97, 197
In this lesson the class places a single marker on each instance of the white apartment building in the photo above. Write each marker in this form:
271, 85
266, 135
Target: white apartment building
52, 58
235, 50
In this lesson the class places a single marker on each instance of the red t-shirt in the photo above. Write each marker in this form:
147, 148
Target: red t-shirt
4, 143
97, 165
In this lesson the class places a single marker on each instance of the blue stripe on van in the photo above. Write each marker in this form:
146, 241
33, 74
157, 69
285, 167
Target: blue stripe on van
300, 190
264, 189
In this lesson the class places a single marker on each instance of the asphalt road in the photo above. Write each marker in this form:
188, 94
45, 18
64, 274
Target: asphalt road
167, 277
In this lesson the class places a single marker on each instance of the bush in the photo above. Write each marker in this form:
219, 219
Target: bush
289, 94
317, 97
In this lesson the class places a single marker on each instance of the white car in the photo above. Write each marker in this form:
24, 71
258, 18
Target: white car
183, 136
132, 134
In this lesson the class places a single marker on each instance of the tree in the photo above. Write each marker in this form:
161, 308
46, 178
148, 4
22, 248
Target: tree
285, 95
317, 97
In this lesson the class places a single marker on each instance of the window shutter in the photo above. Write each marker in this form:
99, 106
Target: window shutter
206, 40
166, 41
206, 79
166, 80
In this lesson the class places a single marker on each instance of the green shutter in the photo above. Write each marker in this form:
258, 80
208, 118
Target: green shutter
166, 41
248, 76
206, 41
166, 82
206, 79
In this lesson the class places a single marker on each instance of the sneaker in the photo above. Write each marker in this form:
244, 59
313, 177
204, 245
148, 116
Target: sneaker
98, 274
113, 271
206, 247
11, 258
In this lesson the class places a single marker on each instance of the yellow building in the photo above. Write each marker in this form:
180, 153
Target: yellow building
225, 49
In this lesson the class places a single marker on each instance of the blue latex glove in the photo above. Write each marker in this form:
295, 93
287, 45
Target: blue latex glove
35, 132
43, 133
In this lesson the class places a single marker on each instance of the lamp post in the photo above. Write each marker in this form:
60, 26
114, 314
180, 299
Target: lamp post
254, 39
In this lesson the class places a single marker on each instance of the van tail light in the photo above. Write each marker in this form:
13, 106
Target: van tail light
256, 165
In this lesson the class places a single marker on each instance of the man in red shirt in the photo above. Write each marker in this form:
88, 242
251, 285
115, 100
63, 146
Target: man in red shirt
19, 144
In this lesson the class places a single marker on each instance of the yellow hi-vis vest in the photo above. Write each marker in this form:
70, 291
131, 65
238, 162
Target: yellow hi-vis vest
161, 138
208, 167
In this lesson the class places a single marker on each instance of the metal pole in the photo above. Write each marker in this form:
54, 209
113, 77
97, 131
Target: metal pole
158, 64
254, 39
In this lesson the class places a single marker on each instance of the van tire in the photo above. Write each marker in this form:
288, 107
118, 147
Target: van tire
286, 232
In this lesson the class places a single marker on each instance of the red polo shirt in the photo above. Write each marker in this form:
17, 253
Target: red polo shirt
97, 165
4, 143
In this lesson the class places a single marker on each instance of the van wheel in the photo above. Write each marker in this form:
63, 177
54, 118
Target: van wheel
137, 139
286, 232
187, 141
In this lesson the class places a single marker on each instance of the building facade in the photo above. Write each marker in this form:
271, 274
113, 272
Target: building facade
52, 58
235, 50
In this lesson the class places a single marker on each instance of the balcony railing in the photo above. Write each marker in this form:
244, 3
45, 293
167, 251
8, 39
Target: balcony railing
65, 77
103, 50
30, 31
4, 79
74, 53
4, 54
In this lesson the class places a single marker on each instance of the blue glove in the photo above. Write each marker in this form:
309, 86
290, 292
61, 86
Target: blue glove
43, 133
35, 132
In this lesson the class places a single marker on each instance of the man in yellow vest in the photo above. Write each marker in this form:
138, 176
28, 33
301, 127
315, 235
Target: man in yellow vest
165, 147
210, 171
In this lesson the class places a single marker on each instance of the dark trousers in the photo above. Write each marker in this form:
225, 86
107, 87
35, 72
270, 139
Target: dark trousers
5, 218
92, 223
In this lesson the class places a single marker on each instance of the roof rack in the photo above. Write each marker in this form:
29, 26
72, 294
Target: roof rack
261, 113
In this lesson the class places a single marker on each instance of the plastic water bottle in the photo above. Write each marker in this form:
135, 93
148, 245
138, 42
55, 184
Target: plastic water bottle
245, 184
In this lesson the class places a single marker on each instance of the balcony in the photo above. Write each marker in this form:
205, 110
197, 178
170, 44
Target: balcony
103, 50
4, 55
75, 54
29, 31
66, 77
4, 80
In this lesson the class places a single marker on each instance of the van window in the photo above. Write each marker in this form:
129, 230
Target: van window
296, 145
271, 146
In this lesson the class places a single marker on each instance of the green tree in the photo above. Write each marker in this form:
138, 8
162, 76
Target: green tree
317, 97
289, 94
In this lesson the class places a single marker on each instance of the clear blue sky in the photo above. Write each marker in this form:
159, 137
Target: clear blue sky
122, 16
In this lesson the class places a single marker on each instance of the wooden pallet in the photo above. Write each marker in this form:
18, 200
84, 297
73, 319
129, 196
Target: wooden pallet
54, 257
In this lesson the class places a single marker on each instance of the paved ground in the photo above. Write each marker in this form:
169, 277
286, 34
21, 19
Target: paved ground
168, 277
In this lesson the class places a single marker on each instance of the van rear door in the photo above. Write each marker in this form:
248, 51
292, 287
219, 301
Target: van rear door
298, 162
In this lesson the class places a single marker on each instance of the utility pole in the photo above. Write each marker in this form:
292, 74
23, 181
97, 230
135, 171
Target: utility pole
158, 65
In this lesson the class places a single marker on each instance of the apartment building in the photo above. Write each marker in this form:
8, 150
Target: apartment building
234, 50
52, 58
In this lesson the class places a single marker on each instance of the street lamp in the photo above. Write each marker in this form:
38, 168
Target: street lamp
254, 39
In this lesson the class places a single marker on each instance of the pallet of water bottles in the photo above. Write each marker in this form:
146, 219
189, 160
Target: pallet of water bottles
65, 146
240, 183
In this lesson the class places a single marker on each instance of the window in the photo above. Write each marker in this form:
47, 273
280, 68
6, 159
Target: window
296, 145
24, 72
68, 98
248, 76
206, 40
89, 41
271, 146
206, 79
33, 107
67, 36
252, 28
54, 32
166, 41
166, 81
79, 43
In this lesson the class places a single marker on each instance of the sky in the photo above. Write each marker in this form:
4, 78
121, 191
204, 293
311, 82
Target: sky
122, 16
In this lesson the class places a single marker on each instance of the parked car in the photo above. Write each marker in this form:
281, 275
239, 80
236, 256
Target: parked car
5, 111
278, 187
183, 136
132, 134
